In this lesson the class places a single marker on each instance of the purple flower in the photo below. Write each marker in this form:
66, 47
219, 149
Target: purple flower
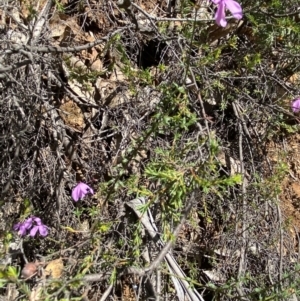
296, 105
23, 227
80, 191
234, 7
43, 229
20, 228
33, 223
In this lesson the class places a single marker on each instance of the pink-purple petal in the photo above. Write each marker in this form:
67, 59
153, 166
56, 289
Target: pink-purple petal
38, 220
33, 231
43, 230
17, 226
296, 105
22, 230
220, 14
80, 191
28, 223
75, 194
235, 8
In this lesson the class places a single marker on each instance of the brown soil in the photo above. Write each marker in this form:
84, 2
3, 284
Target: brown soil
290, 196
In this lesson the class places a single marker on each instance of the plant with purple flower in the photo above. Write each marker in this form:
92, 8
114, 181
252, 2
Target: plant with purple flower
80, 191
34, 224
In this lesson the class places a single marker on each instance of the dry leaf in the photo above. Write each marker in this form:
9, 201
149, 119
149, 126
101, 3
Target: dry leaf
105, 87
111, 94
36, 292
294, 79
93, 54
214, 275
85, 92
296, 189
75, 62
11, 292
54, 268
58, 30
97, 65
72, 115
117, 75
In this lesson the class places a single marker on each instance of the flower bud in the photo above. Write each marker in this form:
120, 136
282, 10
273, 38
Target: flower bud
29, 270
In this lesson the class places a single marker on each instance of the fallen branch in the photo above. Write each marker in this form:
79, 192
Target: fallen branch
183, 288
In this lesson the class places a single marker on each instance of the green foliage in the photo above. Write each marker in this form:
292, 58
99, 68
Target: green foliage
252, 60
104, 227
176, 175
26, 209
60, 7
78, 212
9, 273
8, 236
137, 240
282, 124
